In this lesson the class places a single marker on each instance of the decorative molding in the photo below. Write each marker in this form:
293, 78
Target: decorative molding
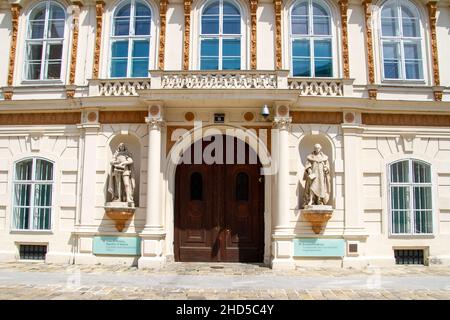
432, 6
187, 33
367, 4
170, 130
389, 119
15, 13
99, 9
343, 6
316, 87
437, 95
122, 87
282, 123
253, 36
317, 117
41, 118
73, 58
278, 53
154, 123
122, 116
162, 33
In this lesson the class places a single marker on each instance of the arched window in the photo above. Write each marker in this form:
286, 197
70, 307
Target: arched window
220, 36
410, 197
45, 41
130, 40
401, 41
311, 39
33, 192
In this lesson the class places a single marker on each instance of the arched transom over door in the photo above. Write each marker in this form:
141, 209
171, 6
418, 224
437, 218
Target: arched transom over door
219, 206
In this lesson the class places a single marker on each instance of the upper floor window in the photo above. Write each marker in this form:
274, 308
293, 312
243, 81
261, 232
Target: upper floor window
130, 40
401, 41
44, 41
220, 36
410, 197
311, 39
33, 188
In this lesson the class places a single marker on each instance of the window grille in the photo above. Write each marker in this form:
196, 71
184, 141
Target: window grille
32, 252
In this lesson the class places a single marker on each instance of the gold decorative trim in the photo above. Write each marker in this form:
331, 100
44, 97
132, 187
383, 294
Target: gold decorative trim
437, 95
253, 36
317, 117
162, 33
367, 4
73, 58
41, 118
187, 33
99, 8
122, 116
390, 119
432, 6
15, 13
278, 53
373, 93
343, 6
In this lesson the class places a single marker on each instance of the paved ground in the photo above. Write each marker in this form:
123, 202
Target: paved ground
220, 281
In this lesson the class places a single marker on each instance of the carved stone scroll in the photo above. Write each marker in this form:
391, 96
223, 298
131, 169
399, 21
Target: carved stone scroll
187, 33
367, 4
278, 57
162, 33
343, 5
253, 48
15, 12
99, 8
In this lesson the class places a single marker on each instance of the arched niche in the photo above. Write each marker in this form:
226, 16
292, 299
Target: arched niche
306, 147
134, 146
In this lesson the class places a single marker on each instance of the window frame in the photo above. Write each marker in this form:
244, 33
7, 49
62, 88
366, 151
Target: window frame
400, 40
221, 36
44, 41
311, 37
33, 183
411, 184
131, 37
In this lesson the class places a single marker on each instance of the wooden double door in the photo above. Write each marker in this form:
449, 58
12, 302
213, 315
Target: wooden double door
219, 208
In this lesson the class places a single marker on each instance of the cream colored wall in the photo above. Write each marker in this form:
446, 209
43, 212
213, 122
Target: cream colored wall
443, 37
173, 59
5, 27
357, 44
265, 34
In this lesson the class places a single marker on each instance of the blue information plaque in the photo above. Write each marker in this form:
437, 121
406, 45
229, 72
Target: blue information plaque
117, 245
310, 247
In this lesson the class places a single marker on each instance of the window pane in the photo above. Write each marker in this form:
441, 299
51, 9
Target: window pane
56, 29
391, 60
53, 70
300, 25
231, 47
389, 27
54, 51
38, 13
37, 29
119, 68
22, 195
323, 67
413, 70
209, 63
34, 71
21, 218
302, 67
321, 25
44, 170
142, 26
122, 27
422, 198
210, 47
124, 11
34, 52
400, 172
300, 48
422, 172
410, 27
120, 49
412, 51
210, 25
407, 13
230, 63
422, 212
231, 24
196, 186
423, 221
41, 219
322, 48
141, 48
212, 9
142, 10
56, 12
401, 221
400, 198
301, 9
228, 8
24, 170
140, 67
42, 195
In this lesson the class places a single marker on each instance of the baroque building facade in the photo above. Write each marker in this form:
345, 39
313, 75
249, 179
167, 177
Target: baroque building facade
367, 80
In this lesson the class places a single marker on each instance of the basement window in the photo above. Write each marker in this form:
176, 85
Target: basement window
32, 252
409, 256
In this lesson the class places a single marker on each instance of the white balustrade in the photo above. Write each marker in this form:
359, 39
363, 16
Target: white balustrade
317, 87
125, 87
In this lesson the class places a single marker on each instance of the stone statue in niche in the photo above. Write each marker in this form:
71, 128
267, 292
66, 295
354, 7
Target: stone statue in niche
317, 177
121, 184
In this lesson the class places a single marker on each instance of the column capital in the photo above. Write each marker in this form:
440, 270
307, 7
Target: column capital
154, 123
282, 123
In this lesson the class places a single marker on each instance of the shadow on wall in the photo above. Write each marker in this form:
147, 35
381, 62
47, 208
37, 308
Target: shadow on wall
134, 147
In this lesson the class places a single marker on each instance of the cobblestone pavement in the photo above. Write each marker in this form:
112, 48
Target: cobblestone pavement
220, 281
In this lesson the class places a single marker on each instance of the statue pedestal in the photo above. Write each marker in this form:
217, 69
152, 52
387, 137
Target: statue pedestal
317, 215
120, 212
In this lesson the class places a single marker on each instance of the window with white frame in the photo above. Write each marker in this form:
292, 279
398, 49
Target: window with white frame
311, 39
130, 40
220, 36
411, 197
401, 41
45, 41
32, 193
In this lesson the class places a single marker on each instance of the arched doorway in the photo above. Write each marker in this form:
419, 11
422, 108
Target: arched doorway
219, 204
